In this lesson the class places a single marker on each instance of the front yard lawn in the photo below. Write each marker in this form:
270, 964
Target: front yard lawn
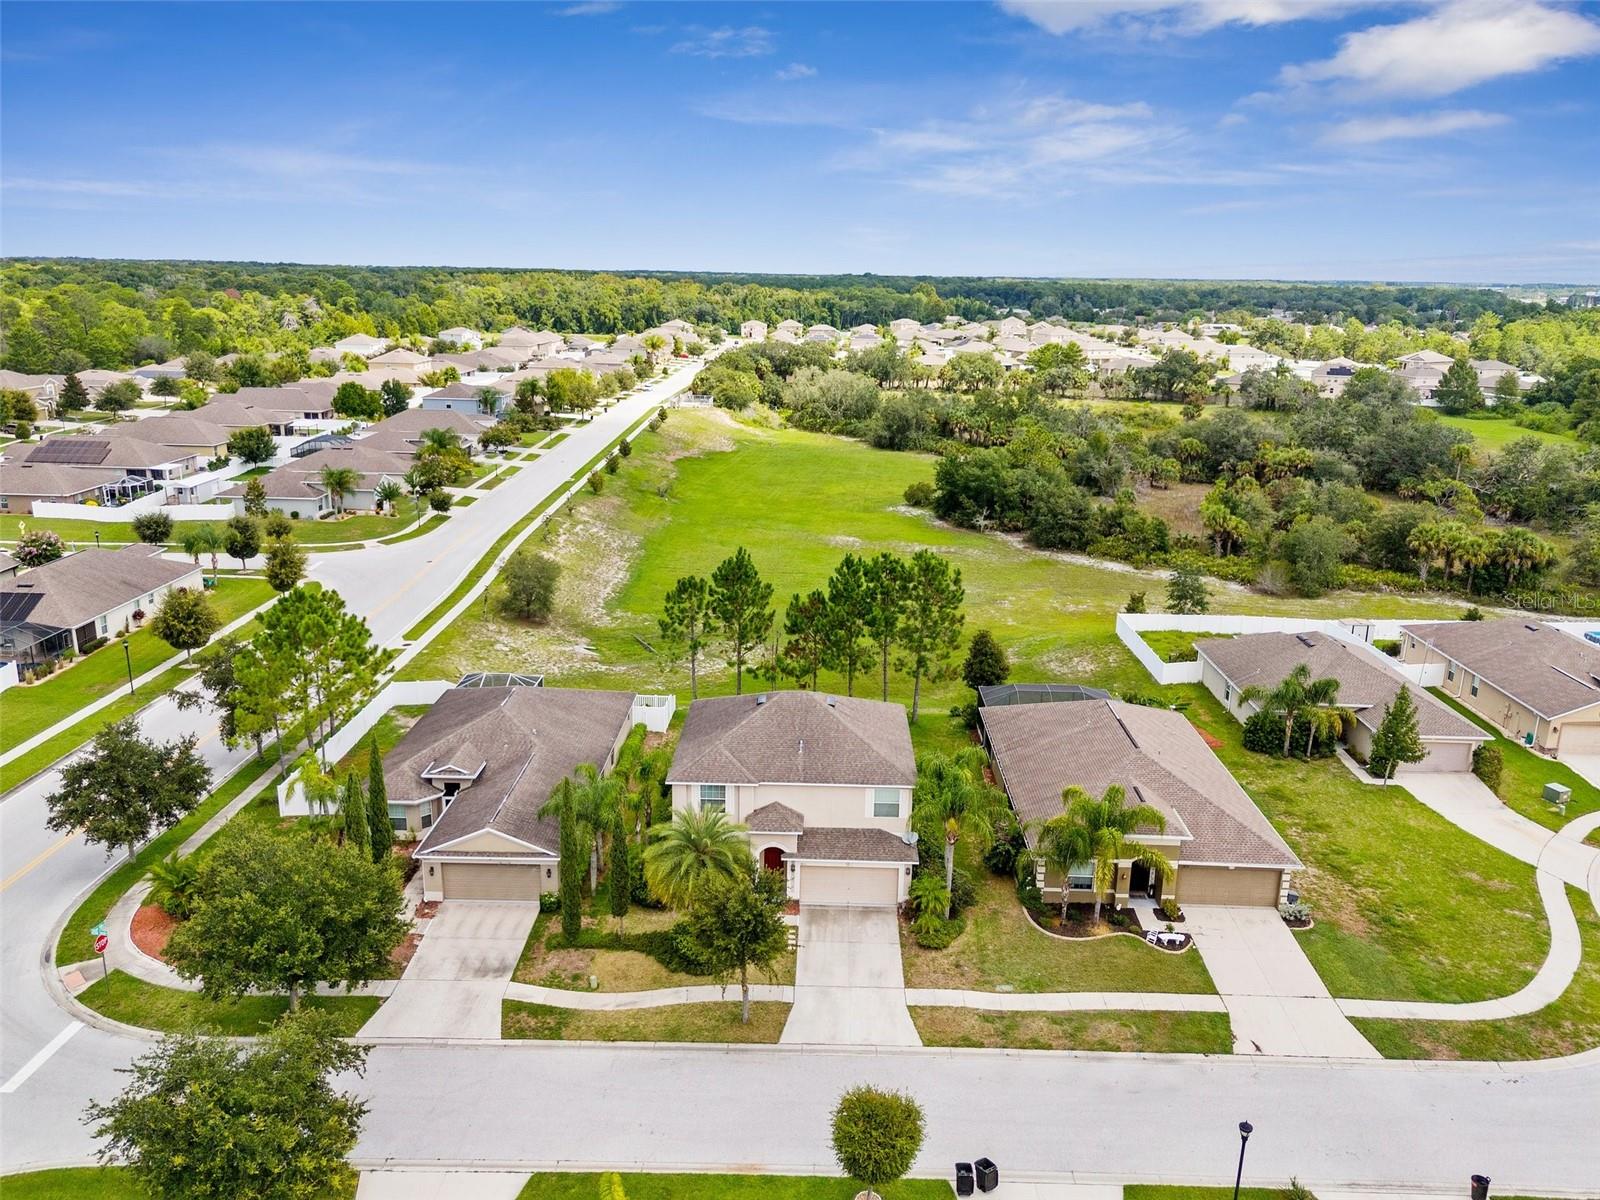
135, 1002
565, 1185
1522, 782
1407, 905
101, 1183
1001, 949
1570, 1025
1130, 1031
713, 1021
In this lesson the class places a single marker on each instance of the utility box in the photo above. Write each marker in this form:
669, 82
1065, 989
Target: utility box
1557, 794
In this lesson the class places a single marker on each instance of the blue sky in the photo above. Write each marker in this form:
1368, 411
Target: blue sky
1454, 140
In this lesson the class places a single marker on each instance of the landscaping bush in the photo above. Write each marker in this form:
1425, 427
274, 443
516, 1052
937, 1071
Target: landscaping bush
37, 547
612, 464
1263, 733
1488, 764
1001, 856
93, 644
669, 947
963, 892
920, 494
439, 501
597, 482
1029, 895
935, 933
1298, 912
1169, 908
549, 902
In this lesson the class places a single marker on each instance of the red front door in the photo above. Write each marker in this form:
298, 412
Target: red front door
772, 858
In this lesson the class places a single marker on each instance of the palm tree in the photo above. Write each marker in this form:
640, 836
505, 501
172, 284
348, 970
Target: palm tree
1322, 712
388, 494
953, 799
597, 806
440, 440
1097, 831
1286, 701
205, 539
339, 481
696, 846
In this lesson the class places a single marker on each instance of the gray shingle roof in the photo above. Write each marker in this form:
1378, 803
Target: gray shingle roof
52, 479
838, 844
795, 737
1154, 754
1366, 682
1551, 672
775, 818
77, 588
525, 739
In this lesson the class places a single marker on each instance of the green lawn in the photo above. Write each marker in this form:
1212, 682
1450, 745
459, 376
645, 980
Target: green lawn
135, 1002
1166, 1191
1496, 433
428, 526
564, 1185
713, 1021
1128, 1031
1570, 1025
352, 528
1175, 645
1407, 905
99, 1183
24, 711
1522, 782
1001, 949
111, 532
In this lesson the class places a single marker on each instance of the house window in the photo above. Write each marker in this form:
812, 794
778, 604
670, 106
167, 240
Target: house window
397, 816
1474, 685
886, 802
713, 797
103, 626
1450, 672
1080, 877
427, 817
1227, 692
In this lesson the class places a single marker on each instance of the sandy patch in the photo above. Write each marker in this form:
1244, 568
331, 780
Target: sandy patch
151, 929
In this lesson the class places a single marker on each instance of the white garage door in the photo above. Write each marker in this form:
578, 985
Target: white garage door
874, 886
1442, 756
1579, 739
490, 881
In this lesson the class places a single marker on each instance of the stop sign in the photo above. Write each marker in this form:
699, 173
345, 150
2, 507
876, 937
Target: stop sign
101, 941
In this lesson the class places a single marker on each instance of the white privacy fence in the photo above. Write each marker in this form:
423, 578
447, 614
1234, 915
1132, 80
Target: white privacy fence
1358, 631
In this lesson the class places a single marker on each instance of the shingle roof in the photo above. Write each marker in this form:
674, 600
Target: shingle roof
52, 479
77, 588
795, 737
1366, 682
1551, 672
775, 818
176, 430
527, 739
853, 845
1154, 754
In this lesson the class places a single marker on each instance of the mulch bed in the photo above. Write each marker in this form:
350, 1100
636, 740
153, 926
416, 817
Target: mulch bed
426, 909
151, 929
402, 954
1208, 738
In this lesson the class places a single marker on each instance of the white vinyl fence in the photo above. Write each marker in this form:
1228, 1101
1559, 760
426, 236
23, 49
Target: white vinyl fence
1358, 631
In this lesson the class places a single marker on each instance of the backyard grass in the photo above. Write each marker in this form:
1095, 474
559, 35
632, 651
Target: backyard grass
714, 1021
1001, 949
1570, 1025
25, 711
1407, 905
168, 1010
391, 727
565, 1185
545, 961
1525, 774
1175, 645
1128, 1031
1496, 433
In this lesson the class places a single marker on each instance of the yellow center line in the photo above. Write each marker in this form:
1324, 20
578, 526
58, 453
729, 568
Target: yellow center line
39, 858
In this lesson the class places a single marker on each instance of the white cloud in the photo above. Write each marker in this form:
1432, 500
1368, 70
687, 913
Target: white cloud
1454, 47
589, 8
794, 71
751, 41
1171, 16
1363, 131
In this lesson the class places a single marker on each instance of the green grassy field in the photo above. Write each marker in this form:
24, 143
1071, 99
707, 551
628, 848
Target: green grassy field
1174, 645
135, 1002
353, 528
24, 711
582, 1186
1496, 433
103, 1183
1126, 1032
713, 1021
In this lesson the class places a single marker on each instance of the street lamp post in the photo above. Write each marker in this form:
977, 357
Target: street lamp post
97, 539
1245, 1130
127, 654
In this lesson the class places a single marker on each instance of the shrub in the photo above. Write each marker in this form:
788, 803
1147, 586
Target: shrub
1389, 646
1136, 603
963, 892
153, 528
876, 1135
550, 902
1488, 764
1029, 895
920, 494
37, 547
530, 583
1008, 844
597, 483
1169, 908
439, 501
1297, 911
24, 430
625, 447
1473, 614
612, 464
935, 933
1263, 733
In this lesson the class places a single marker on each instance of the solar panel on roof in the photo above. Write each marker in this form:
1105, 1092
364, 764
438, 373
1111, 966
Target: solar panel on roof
74, 451
15, 607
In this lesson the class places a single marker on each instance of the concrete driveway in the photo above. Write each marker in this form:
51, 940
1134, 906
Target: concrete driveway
1586, 765
849, 987
1276, 1001
454, 984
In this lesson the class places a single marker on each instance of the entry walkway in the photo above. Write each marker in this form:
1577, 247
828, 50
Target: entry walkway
1276, 1001
453, 986
849, 988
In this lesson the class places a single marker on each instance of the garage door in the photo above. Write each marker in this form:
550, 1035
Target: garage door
876, 886
1219, 885
1579, 739
1442, 756
490, 881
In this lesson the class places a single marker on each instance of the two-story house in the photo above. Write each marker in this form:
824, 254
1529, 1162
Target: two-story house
821, 783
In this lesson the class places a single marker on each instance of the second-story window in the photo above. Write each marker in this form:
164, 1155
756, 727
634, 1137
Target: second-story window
886, 802
713, 797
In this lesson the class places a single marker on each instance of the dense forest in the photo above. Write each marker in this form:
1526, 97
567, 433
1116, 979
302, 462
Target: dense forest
67, 314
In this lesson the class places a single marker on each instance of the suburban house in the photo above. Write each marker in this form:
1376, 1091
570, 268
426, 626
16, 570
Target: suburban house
821, 782
1224, 849
755, 331
41, 389
403, 432
460, 335
1330, 377
173, 368
363, 344
296, 489
24, 484
1367, 684
473, 773
138, 460
467, 398
68, 603
531, 343
1424, 370
400, 357
1540, 685
180, 431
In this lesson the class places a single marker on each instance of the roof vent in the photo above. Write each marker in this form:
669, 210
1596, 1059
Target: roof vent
833, 702
1531, 628
761, 699
1304, 639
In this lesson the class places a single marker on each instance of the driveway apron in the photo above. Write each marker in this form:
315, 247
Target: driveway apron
454, 984
849, 986
1277, 1003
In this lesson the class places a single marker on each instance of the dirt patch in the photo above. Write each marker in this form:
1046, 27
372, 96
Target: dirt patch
151, 929
426, 909
402, 954
1207, 737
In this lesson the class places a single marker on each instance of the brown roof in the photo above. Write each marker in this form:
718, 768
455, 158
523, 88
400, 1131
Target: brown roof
1154, 754
854, 845
52, 479
303, 476
176, 430
1366, 682
1551, 672
795, 737
775, 818
77, 588
518, 743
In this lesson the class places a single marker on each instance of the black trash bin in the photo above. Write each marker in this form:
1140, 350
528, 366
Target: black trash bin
963, 1179
988, 1174
1480, 1187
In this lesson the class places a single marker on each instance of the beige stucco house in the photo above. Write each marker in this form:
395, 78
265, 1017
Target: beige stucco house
1539, 684
821, 782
